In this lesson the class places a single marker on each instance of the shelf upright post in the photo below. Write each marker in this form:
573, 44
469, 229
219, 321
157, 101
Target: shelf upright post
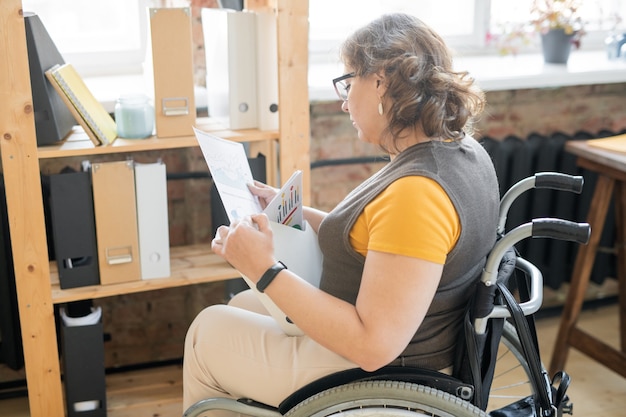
18, 148
293, 91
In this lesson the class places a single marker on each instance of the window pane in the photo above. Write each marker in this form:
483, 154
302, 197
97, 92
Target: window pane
94, 34
332, 19
78, 26
597, 14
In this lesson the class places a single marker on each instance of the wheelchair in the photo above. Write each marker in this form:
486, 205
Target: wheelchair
499, 343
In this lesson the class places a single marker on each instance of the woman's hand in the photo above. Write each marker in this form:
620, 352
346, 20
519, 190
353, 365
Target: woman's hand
247, 244
264, 192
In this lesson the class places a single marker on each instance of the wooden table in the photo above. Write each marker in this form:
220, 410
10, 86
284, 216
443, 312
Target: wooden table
610, 165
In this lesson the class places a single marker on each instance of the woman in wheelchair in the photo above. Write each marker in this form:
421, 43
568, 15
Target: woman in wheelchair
402, 251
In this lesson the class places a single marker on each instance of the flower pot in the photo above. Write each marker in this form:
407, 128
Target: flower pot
556, 46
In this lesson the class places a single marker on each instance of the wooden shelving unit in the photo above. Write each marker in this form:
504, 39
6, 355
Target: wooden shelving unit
36, 279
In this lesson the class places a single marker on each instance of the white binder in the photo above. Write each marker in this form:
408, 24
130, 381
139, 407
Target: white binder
231, 67
152, 220
267, 70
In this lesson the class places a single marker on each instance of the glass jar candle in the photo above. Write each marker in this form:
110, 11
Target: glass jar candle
134, 116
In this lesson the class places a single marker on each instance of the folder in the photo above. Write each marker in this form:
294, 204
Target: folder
231, 67
82, 344
299, 250
152, 220
172, 61
87, 110
115, 212
267, 70
73, 229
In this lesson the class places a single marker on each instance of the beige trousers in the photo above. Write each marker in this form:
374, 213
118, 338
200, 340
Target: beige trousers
238, 351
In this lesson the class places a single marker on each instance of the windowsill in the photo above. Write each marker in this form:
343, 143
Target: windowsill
492, 73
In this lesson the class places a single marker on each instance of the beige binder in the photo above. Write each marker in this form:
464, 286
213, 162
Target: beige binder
116, 221
172, 61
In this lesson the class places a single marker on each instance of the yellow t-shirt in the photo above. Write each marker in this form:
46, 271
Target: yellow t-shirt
413, 217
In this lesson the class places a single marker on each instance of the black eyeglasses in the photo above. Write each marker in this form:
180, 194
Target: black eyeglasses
341, 87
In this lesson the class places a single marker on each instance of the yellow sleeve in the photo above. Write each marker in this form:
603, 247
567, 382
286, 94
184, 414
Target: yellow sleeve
413, 217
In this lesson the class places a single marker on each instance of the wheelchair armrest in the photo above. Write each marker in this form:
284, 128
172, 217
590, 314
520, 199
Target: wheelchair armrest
413, 375
531, 306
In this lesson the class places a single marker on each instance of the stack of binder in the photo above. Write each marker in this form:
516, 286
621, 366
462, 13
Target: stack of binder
242, 68
111, 226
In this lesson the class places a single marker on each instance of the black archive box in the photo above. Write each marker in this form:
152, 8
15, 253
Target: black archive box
83, 370
73, 229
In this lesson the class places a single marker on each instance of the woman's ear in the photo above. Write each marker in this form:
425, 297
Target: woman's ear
381, 85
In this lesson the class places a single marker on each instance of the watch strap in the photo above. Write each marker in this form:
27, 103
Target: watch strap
269, 275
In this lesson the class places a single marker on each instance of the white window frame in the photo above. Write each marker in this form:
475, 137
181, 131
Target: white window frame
474, 44
325, 51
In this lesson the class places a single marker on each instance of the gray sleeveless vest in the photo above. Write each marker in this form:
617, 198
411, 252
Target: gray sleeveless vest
466, 173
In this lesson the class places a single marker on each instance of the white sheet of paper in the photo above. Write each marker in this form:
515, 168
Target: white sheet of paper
296, 247
231, 173
300, 252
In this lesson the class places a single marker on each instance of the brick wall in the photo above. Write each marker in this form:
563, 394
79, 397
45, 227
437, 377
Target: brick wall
590, 108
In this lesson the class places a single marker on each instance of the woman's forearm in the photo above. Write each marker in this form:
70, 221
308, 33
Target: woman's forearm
314, 217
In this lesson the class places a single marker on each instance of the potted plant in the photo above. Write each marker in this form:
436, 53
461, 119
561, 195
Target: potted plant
556, 21
560, 27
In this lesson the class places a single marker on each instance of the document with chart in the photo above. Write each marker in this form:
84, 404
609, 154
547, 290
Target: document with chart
295, 244
231, 173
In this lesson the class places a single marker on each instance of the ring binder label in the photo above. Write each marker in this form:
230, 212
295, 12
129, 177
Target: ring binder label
175, 106
121, 255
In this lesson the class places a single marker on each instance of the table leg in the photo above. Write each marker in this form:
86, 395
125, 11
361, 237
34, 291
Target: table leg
620, 223
582, 271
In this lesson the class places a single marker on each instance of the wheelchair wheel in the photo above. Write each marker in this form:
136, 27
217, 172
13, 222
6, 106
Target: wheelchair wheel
384, 399
512, 378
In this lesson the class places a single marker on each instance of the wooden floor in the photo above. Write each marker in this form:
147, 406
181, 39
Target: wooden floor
595, 390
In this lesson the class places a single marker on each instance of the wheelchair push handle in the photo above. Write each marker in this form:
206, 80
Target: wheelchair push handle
544, 180
561, 229
552, 228
559, 181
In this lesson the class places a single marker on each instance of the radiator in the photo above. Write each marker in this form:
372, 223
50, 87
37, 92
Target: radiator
515, 159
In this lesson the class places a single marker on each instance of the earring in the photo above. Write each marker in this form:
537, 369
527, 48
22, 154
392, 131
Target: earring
380, 108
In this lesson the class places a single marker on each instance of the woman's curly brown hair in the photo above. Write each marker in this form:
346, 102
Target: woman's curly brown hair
422, 87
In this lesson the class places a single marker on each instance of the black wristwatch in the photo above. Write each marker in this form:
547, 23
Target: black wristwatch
269, 275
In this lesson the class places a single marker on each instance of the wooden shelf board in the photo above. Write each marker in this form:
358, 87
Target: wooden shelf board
194, 264
77, 143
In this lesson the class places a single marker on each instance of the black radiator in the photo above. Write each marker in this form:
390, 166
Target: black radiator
515, 159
